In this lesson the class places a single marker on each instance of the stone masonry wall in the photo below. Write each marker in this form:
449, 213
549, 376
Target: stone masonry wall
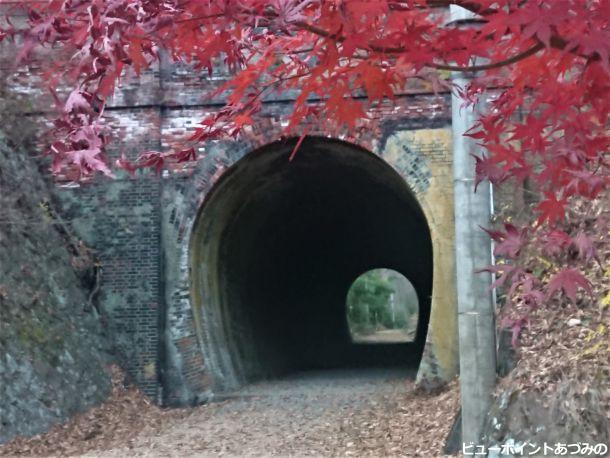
140, 228
416, 141
121, 220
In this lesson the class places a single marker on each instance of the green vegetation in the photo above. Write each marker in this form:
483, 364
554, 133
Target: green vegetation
380, 299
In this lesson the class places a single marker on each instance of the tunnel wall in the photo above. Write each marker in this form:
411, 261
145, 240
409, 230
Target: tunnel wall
416, 147
141, 229
276, 246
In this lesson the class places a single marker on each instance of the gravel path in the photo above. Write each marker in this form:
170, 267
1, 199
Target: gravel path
331, 413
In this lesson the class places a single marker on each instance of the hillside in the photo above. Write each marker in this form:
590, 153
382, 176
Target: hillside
559, 389
52, 349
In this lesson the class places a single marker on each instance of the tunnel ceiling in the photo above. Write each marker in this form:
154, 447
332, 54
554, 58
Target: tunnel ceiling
276, 247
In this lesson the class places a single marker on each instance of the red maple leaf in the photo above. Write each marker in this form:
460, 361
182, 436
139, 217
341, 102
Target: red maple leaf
568, 280
584, 246
185, 155
555, 242
487, 168
343, 65
151, 159
508, 242
125, 164
551, 209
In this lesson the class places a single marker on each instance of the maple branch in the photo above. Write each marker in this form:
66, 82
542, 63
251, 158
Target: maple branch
326, 34
199, 18
475, 68
399, 49
468, 5
555, 41
473, 7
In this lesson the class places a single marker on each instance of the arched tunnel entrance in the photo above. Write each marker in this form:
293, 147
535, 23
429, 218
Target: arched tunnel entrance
276, 247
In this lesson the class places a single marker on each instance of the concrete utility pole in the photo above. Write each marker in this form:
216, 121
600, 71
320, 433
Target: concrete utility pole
473, 251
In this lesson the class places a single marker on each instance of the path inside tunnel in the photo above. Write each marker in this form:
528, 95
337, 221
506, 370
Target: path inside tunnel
340, 412
276, 247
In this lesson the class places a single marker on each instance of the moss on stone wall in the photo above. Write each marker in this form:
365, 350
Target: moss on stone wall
52, 350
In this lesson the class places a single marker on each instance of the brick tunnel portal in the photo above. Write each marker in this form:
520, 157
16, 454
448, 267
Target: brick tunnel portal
276, 246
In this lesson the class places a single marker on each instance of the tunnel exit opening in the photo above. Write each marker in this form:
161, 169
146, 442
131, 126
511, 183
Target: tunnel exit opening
382, 308
277, 245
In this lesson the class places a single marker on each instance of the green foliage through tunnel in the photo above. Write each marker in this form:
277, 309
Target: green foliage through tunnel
382, 307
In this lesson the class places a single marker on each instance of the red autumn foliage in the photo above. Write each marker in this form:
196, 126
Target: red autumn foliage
545, 77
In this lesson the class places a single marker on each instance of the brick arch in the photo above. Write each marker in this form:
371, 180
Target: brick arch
194, 369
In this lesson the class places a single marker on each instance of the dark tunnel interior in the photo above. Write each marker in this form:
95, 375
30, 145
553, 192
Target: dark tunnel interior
277, 245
